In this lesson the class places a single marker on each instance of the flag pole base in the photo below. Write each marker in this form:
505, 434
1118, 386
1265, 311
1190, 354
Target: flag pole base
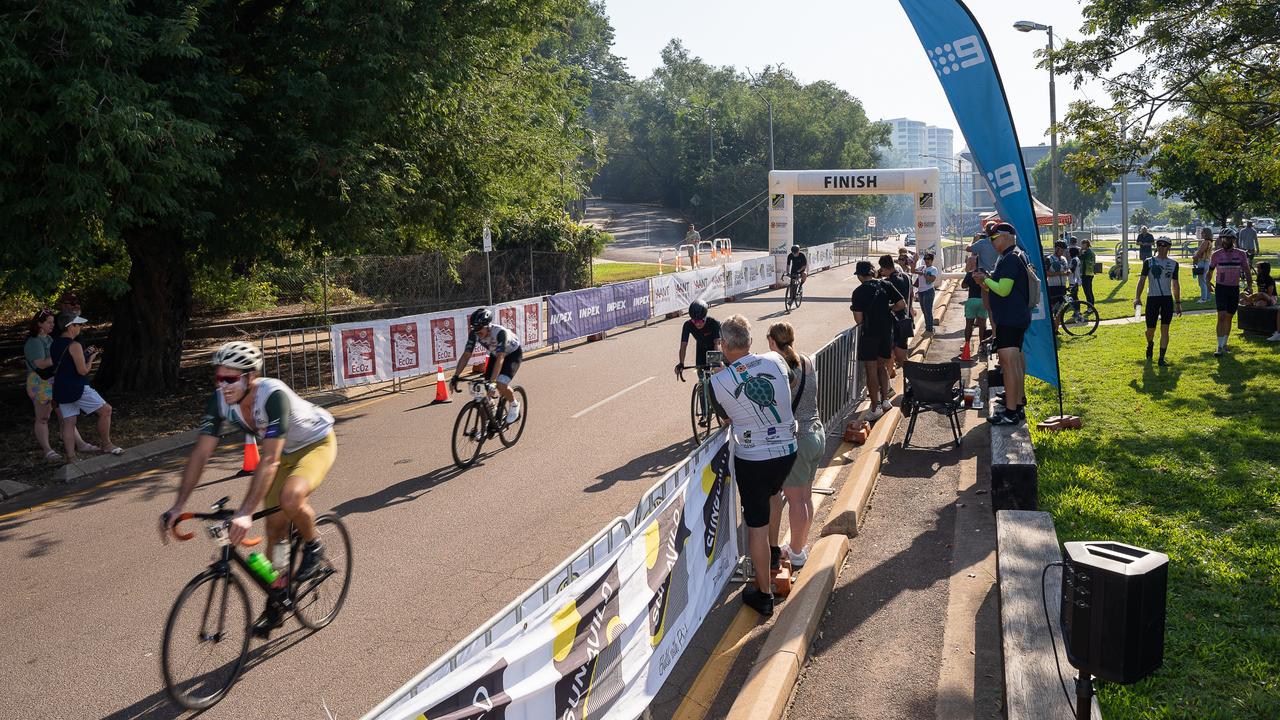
1060, 422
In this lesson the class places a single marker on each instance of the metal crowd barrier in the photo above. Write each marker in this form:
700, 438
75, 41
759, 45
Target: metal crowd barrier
300, 357
953, 256
840, 383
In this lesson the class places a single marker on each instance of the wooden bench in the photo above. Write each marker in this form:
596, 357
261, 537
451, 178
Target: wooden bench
1257, 320
1025, 543
1014, 479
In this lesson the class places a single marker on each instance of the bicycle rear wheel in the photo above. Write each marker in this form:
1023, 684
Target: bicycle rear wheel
206, 640
317, 600
1079, 321
789, 298
509, 434
705, 420
799, 298
468, 434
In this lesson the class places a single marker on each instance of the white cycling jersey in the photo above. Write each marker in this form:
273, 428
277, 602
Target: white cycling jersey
277, 412
754, 392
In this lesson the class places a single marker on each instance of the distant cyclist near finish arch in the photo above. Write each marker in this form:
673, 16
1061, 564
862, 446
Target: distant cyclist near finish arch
298, 448
504, 357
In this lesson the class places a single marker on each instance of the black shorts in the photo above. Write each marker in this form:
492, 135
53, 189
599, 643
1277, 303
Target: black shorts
1227, 298
1009, 336
875, 347
1056, 293
510, 364
759, 480
1159, 308
903, 330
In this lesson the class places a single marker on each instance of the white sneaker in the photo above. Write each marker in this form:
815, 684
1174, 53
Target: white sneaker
874, 415
886, 406
513, 412
1275, 337
798, 559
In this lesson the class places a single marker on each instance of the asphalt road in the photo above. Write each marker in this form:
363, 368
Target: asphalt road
87, 584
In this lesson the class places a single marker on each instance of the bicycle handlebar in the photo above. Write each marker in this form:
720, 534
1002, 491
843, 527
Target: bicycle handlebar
681, 368
221, 514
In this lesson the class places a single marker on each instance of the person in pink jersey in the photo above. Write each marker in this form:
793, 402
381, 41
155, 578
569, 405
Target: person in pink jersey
1228, 265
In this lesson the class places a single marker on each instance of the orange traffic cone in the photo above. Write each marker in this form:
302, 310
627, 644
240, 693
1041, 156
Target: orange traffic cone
964, 354
250, 454
442, 391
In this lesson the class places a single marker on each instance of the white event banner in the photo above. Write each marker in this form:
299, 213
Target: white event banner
601, 648
674, 292
822, 257
747, 275
372, 351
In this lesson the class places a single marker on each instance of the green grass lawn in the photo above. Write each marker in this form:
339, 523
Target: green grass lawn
1184, 460
610, 272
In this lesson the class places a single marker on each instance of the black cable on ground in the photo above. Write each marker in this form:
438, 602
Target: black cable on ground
1044, 602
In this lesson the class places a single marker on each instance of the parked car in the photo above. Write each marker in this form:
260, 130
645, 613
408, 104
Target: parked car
911, 240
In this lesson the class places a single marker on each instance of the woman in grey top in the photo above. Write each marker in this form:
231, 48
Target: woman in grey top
797, 489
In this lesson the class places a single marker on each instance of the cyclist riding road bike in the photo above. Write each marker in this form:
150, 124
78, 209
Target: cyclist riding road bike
797, 264
297, 447
504, 357
705, 332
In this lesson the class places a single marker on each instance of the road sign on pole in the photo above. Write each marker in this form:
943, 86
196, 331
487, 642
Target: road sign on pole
488, 239
488, 271
871, 221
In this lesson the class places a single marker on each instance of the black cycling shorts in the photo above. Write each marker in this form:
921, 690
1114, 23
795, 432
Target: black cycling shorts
1227, 298
1056, 293
510, 364
875, 347
759, 480
1159, 309
903, 331
1009, 336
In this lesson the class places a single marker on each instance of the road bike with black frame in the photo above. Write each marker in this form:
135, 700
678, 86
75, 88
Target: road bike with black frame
1076, 317
702, 412
213, 615
795, 293
482, 419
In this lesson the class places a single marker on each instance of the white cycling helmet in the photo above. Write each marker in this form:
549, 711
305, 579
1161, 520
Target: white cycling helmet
239, 355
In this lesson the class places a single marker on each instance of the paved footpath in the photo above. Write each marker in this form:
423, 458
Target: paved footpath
912, 629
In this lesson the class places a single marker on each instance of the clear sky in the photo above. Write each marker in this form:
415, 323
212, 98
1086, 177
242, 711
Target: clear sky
867, 47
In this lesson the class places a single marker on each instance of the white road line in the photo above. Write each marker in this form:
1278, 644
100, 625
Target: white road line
612, 397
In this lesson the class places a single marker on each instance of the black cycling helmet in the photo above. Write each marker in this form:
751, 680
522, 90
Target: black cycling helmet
481, 318
795, 248
697, 310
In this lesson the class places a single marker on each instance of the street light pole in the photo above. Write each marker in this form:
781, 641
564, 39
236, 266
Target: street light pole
1028, 26
770, 103
959, 191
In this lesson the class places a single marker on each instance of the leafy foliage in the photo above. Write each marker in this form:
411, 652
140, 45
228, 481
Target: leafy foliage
1072, 197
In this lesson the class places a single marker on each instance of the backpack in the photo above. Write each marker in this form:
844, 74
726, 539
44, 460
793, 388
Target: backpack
1033, 282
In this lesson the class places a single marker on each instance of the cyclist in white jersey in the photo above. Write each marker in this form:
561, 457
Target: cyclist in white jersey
297, 446
504, 357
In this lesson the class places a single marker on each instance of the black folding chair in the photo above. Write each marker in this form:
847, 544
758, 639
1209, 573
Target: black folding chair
935, 387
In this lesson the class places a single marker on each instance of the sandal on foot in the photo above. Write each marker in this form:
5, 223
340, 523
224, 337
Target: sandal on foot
113, 450
52, 456
87, 448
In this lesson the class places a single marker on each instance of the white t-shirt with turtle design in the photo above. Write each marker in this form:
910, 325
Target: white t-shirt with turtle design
754, 393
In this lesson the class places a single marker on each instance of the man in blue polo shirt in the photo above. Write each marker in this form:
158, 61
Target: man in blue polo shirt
1011, 316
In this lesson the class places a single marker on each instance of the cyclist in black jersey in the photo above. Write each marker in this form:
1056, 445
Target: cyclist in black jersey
797, 264
504, 357
705, 332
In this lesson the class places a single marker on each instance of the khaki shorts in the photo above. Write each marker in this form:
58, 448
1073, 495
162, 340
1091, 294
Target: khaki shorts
311, 462
811, 445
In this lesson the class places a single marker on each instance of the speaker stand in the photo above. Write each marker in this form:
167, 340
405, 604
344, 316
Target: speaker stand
1084, 696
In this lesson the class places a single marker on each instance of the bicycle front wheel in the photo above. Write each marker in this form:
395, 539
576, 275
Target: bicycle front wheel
705, 420
789, 298
799, 296
468, 434
509, 434
206, 640
1080, 320
317, 600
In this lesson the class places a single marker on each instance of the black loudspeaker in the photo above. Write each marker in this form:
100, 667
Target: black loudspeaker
1113, 598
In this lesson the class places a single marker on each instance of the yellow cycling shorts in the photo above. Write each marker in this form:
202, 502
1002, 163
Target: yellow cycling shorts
311, 462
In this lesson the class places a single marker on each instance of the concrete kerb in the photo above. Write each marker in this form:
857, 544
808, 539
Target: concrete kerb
771, 678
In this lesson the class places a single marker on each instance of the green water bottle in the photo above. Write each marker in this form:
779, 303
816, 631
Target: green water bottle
261, 567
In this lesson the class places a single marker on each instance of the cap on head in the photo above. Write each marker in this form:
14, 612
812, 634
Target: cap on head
1002, 228
67, 319
863, 269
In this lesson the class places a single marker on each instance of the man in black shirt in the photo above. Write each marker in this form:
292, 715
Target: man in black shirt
705, 332
1146, 243
797, 264
903, 328
873, 304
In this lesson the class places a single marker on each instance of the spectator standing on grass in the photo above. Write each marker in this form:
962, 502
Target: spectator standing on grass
1249, 240
1164, 297
1200, 263
753, 393
903, 325
1088, 260
1008, 289
1228, 263
71, 389
1073, 273
926, 277
1056, 273
975, 310
811, 441
873, 303
1146, 242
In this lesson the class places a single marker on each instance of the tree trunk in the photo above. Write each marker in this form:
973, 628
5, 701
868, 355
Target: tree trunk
144, 350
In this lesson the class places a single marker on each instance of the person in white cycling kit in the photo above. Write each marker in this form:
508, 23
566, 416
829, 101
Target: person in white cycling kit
504, 357
298, 447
